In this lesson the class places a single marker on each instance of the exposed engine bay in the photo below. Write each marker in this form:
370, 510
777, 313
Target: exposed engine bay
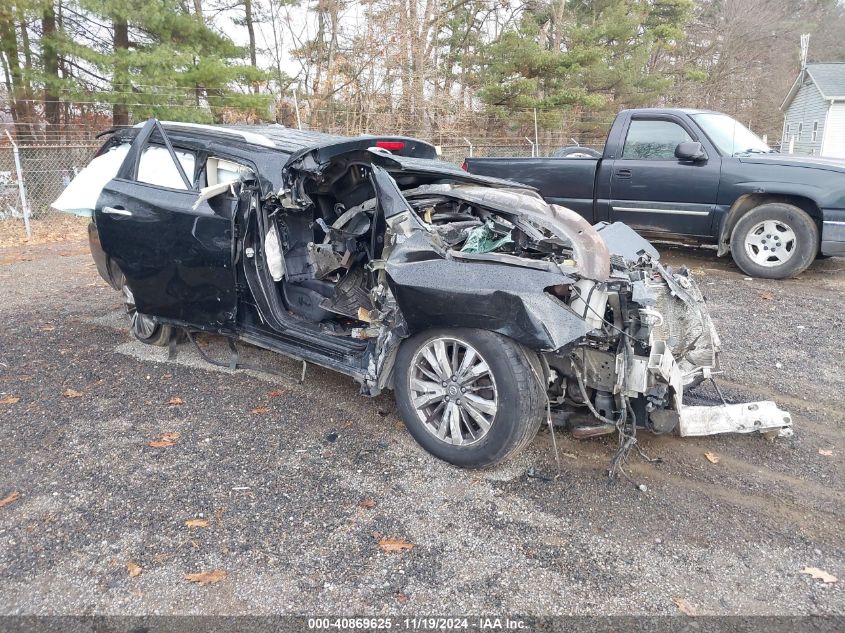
365, 250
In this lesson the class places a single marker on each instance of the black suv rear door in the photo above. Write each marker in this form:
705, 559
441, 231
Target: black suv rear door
176, 259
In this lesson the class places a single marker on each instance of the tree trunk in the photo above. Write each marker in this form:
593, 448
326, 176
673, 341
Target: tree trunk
18, 96
250, 29
120, 111
51, 67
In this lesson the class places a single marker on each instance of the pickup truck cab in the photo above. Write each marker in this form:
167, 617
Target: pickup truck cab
699, 177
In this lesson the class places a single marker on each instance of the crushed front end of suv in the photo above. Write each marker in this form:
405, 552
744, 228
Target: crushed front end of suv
486, 310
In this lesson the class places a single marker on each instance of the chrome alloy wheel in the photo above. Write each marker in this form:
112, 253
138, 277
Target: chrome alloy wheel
143, 325
770, 243
453, 391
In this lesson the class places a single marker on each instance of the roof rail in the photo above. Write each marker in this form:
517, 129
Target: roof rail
249, 137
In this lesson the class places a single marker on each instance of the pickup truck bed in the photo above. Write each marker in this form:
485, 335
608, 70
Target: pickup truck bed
569, 182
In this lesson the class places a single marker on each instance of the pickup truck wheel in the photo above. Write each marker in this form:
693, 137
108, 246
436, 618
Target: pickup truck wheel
469, 397
774, 241
143, 326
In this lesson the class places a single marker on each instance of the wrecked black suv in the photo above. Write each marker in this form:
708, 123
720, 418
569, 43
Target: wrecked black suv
486, 310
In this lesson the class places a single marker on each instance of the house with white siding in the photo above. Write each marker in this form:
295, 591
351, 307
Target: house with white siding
814, 112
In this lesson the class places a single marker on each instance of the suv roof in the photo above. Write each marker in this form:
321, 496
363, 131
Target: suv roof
290, 140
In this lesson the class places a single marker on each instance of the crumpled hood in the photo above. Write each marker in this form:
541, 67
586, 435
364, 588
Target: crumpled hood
791, 160
592, 257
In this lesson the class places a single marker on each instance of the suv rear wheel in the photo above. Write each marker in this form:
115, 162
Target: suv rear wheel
143, 326
774, 241
469, 397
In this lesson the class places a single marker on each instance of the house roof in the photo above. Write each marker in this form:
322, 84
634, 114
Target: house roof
829, 79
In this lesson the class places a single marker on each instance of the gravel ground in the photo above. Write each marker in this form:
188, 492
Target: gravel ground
282, 487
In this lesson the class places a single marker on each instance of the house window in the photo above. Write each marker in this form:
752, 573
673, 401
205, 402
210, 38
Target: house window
815, 131
800, 129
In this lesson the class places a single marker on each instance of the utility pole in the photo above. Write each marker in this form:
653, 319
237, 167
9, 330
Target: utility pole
805, 48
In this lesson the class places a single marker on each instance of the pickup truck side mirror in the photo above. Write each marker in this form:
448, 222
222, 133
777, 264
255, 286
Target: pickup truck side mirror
691, 150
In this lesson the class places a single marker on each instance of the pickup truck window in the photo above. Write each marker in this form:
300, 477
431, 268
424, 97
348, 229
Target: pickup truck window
731, 136
653, 140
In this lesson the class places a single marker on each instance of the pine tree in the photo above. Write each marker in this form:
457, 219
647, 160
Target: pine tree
596, 54
165, 61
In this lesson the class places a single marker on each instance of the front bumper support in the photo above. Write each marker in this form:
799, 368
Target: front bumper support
749, 417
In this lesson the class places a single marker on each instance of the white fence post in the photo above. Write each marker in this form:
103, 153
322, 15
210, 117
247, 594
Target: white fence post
470, 146
21, 185
532, 145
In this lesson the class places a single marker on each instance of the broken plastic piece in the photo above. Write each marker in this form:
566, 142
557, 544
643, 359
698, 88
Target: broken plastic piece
481, 240
748, 417
209, 192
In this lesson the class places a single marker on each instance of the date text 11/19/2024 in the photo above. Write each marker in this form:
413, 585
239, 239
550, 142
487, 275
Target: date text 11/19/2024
418, 623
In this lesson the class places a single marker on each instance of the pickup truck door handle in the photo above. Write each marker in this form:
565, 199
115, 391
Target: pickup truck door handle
116, 211
623, 173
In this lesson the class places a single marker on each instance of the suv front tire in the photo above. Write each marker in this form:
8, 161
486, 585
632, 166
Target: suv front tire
469, 397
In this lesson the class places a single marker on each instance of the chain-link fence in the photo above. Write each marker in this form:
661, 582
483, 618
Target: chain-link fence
46, 169
31, 178
456, 153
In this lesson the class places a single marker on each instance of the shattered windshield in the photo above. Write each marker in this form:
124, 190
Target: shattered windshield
729, 135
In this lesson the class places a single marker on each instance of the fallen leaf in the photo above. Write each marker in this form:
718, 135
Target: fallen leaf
401, 597
175, 402
166, 440
827, 452
206, 577
48, 328
134, 569
10, 499
72, 393
166, 376
260, 410
713, 458
367, 503
768, 296
10, 400
197, 523
819, 574
162, 556
683, 606
394, 544
276, 393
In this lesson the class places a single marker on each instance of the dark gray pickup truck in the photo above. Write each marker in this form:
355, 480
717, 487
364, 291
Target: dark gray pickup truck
699, 177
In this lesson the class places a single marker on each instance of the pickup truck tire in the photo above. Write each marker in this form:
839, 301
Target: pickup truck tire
774, 241
469, 397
